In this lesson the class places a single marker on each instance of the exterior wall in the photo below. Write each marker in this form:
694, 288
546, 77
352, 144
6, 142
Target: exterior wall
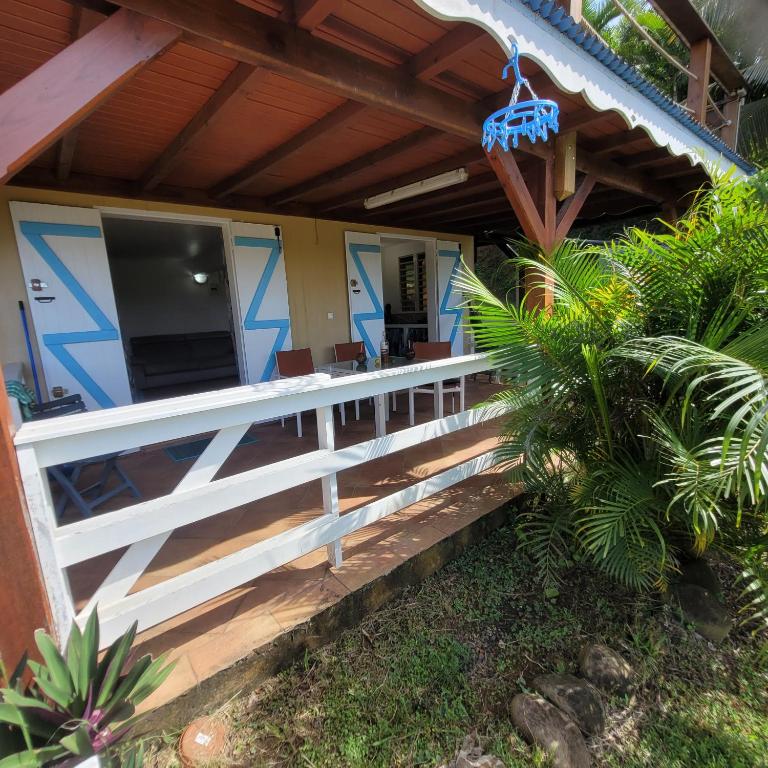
314, 258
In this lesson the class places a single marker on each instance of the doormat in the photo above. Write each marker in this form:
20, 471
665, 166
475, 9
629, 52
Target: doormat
192, 449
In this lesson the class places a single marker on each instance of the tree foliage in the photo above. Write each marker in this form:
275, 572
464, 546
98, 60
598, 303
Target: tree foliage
637, 408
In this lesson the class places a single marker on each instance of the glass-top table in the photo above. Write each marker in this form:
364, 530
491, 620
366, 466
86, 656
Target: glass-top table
382, 403
351, 367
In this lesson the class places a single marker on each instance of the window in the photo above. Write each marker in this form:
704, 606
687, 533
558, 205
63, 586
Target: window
413, 283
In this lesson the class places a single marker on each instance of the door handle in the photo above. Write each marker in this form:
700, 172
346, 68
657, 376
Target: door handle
45, 299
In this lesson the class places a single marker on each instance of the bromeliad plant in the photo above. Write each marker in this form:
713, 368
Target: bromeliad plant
637, 411
74, 705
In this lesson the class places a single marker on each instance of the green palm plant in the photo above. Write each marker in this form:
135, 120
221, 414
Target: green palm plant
637, 411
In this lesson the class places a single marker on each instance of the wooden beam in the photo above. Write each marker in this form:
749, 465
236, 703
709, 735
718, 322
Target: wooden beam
359, 164
42, 107
698, 87
241, 76
303, 140
571, 208
244, 34
310, 14
446, 51
24, 604
516, 190
565, 165
614, 175
467, 157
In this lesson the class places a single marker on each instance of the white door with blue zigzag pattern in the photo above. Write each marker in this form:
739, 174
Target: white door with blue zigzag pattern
71, 302
262, 297
365, 284
450, 313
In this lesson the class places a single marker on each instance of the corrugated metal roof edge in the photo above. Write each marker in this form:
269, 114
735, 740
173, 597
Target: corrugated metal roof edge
556, 15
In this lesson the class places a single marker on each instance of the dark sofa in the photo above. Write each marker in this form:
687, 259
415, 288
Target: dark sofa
180, 358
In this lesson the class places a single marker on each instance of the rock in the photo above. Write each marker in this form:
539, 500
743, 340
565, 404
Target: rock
544, 725
576, 697
702, 609
605, 668
700, 573
471, 756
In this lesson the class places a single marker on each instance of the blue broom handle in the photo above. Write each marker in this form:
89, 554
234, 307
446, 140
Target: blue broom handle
31, 354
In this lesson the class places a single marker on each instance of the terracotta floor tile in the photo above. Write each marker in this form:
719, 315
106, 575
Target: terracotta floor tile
240, 637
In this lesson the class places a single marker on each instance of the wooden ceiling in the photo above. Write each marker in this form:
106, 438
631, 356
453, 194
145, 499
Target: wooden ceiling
196, 125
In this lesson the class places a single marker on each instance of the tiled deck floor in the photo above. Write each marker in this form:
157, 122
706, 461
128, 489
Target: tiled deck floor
213, 636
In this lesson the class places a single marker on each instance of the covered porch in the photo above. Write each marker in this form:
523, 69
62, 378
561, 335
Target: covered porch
292, 129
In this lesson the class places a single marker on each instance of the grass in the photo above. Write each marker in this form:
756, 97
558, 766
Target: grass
446, 658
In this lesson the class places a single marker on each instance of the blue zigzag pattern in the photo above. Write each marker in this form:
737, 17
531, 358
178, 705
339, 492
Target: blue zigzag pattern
250, 323
35, 232
355, 249
444, 308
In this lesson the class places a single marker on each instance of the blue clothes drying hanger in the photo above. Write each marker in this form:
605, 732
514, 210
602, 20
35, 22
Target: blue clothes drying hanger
533, 119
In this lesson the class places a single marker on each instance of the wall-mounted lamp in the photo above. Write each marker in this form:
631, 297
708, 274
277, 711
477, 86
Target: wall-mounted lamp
201, 278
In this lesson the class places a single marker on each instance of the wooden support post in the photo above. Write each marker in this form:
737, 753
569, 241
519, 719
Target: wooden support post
732, 111
701, 59
565, 165
24, 605
42, 107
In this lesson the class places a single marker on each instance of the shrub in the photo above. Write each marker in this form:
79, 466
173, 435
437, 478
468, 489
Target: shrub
637, 407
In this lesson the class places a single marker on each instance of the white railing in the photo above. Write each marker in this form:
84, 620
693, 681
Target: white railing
145, 526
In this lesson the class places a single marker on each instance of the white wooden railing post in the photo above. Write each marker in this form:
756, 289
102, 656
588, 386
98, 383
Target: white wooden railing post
325, 440
42, 516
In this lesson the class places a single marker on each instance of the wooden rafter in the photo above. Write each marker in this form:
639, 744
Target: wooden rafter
75, 82
606, 145
334, 120
479, 203
387, 152
485, 182
310, 14
646, 158
83, 21
241, 76
449, 49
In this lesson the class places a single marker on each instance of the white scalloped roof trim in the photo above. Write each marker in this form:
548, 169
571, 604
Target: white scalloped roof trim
576, 71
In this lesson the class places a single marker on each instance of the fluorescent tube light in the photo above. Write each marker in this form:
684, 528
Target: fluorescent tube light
417, 188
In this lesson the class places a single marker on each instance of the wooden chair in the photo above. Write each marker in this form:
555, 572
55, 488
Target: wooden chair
434, 350
294, 362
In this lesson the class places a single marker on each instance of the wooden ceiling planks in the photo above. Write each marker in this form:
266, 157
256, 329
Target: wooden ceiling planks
123, 138
131, 130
